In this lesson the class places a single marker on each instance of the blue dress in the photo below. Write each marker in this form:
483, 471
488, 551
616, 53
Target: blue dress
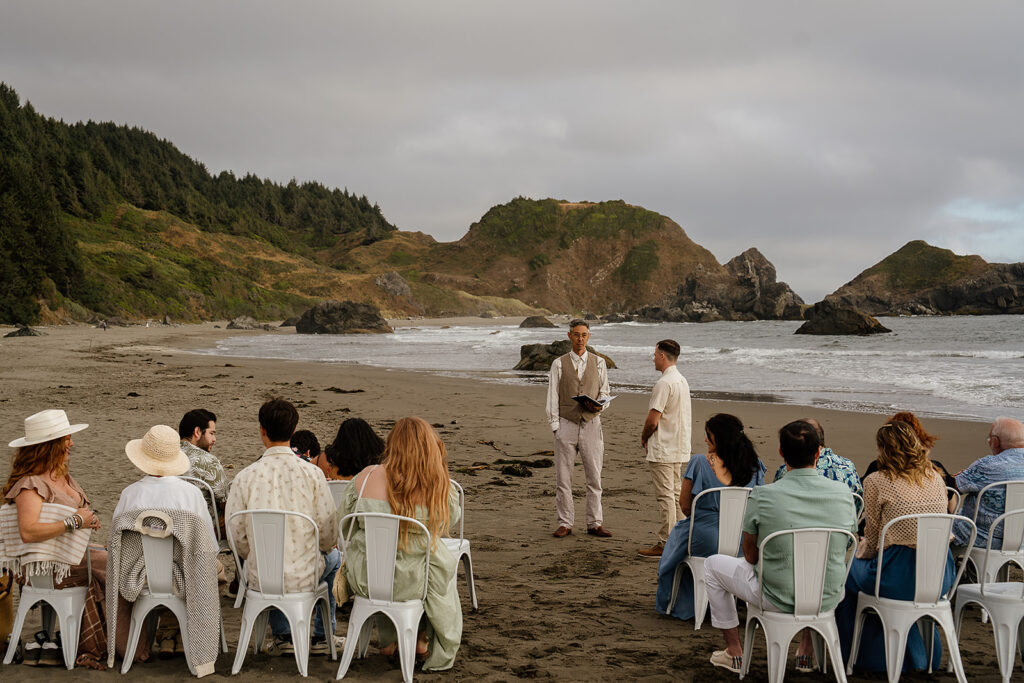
898, 583
705, 538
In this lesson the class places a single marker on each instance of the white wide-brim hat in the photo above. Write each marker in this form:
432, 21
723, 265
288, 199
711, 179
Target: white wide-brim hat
44, 426
159, 452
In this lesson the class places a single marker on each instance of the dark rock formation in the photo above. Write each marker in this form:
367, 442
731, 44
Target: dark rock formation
537, 321
290, 322
394, 284
24, 331
342, 317
590, 316
619, 318
828, 317
541, 356
244, 322
919, 279
746, 290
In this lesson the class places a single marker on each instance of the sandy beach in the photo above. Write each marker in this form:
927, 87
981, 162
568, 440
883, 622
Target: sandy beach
573, 609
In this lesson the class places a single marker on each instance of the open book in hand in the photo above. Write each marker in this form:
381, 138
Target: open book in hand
592, 404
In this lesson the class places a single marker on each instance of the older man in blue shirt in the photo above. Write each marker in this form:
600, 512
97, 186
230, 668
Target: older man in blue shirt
1006, 442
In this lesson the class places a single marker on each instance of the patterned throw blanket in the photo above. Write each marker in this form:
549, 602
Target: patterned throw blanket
56, 555
194, 576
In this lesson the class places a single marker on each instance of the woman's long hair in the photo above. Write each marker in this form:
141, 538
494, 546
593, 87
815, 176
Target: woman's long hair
355, 447
416, 467
927, 440
733, 446
901, 454
39, 458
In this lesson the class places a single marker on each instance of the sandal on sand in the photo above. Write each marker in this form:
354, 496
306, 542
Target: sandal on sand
89, 661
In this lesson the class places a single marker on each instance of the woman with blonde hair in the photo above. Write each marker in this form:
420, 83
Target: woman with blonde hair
906, 482
412, 481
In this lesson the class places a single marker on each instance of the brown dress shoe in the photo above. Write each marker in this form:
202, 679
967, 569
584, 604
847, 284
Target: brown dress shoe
562, 532
599, 531
654, 551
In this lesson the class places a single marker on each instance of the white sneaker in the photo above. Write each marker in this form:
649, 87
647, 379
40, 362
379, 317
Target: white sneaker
727, 661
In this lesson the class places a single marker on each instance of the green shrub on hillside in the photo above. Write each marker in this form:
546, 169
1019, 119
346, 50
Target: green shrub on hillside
918, 265
640, 262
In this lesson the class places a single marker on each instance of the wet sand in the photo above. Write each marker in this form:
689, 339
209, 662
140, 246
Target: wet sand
575, 608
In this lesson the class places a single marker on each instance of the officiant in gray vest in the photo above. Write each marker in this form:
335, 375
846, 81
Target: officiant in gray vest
577, 428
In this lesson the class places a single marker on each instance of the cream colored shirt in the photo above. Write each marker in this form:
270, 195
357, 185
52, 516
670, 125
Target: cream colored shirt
670, 442
580, 364
280, 481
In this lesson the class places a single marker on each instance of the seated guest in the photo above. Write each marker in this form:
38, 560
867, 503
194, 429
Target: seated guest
40, 486
1006, 441
305, 445
355, 447
730, 461
198, 432
906, 483
800, 500
280, 481
411, 481
159, 456
830, 465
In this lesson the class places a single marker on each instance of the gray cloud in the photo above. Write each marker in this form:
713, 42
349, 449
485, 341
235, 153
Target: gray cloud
825, 134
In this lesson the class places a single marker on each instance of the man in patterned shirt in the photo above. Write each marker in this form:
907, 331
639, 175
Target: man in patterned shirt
198, 432
830, 465
1006, 442
280, 481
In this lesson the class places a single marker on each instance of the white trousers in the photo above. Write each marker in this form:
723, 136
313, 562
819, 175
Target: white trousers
588, 441
728, 578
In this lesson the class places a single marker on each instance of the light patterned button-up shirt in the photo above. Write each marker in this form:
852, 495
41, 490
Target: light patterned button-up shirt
207, 467
280, 481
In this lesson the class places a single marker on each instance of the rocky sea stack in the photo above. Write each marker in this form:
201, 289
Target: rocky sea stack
342, 317
830, 317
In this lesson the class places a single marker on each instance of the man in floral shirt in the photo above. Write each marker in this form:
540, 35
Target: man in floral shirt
830, 465
198, 432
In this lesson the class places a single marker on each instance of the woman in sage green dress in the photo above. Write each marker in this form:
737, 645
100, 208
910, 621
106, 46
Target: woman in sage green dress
412, 480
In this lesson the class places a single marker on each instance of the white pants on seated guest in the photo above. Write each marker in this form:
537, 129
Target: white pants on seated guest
729, 578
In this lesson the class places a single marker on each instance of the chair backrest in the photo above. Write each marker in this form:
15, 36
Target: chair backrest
858, 500
337, 487
1014, 517
732, 504
1013, 531
810, 565
158, 553
267, 543
933, 534
462, 507
956, 499
211, 500
382, 550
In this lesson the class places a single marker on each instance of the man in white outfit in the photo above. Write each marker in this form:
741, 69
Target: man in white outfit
577, 428
666, 438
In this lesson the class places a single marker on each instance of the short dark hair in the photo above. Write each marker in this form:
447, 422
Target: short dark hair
278, 418
799, 443
197, 417
669, 347
576, 322
303, 442
355, 447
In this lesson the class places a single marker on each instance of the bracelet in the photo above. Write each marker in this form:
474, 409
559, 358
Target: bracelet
79, 522
69, 524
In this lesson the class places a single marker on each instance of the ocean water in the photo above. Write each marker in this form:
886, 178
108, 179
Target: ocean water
956, 367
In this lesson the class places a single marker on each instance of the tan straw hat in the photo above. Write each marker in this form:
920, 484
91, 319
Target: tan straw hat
46, 426
159, 452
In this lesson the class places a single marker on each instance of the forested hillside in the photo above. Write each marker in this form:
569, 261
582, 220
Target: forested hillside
60, 183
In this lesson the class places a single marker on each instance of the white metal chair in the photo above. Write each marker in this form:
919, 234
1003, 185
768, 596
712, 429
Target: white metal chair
732, 504
898, 616
858, 501
158, 554
382, 531
956, 500
337, 487
222, 543
65, 605
266, 544
810, 564
1013, 534
459, 547
1004, 602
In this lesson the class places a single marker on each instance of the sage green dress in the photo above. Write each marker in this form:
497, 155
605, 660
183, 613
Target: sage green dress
442, 606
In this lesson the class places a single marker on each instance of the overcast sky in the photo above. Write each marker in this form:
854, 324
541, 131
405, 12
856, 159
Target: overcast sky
826, 134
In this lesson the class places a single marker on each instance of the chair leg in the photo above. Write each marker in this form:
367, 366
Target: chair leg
748, 645
259, 632
300, 622
134, 633
244, 636
467, 561
70, 628
675, 587
358, 623
858, 628
895, 645
1006, 634
19, 623
831, 642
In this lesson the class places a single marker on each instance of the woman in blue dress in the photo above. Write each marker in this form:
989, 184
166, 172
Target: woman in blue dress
730, 461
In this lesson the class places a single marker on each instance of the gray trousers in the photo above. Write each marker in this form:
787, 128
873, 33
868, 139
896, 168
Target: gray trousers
587, 440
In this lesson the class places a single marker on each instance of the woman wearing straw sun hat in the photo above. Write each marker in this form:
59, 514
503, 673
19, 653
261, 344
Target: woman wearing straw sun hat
38, 484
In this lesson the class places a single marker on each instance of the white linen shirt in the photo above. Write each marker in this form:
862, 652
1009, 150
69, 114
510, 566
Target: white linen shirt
280, 481
165, 492
580, 364
670, 442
